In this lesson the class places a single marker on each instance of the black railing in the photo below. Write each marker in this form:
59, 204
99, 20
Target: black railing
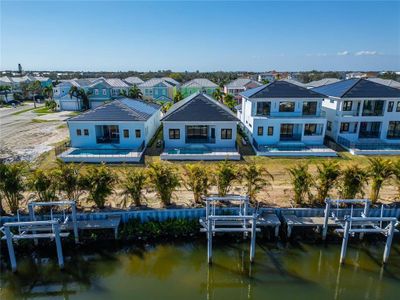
290, 137
369, 134
199, 141
106, 140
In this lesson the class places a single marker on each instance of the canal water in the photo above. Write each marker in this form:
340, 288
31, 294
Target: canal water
179, 271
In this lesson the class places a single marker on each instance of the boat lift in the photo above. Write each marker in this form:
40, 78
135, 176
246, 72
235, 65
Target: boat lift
240, 221
350, 225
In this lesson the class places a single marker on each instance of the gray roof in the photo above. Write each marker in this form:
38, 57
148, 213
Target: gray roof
281, 89
116, 83
154, 81
199, 107
241, 82
388, 82
324, 81
133, 80
296, 82
358, 88
124, 109
200, 83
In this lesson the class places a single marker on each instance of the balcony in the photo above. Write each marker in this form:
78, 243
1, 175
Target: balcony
290, 137
349, 113
189, 140
369, 134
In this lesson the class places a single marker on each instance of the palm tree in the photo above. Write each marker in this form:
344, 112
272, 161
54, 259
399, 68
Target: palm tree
11, 185
166, 106
301, 181
396, 172
351, 182
48, 92
379, 170
80, 94
328, 174
68, 180
197, 180
226, 175
165, 179
218, 95
230, 101
256, 178
178, 96
44, 185
34, 88
5, 89
135, 92
133, 185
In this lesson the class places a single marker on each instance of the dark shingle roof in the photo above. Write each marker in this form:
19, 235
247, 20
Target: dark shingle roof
119, 110
281, 89
199, 108
358, 88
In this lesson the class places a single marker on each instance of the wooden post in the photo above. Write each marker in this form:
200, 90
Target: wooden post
56, 228
253, 238
75, 222
10, 247
326, 219
209, 241
389, 240
345, 241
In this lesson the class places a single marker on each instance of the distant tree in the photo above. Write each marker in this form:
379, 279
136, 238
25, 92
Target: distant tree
165, 180
133, 184
352, 182
326, 179
51, 105
230, 101
396, 173
176, 76
178, 96
265, 81
166, 106
44, 185
5, 89
197, 179
226, 174
12, 185
389, 75
218, 95
135, 92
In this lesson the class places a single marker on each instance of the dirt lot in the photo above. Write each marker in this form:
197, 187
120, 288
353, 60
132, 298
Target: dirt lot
25, 134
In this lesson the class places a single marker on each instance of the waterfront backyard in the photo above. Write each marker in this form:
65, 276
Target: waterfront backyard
292, 270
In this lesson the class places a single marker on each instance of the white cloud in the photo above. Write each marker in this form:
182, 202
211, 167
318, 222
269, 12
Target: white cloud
343, 53
365, 52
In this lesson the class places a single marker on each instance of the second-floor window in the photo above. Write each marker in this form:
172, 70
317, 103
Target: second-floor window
310, 108
270, 130
96, 91
329, 125
344, 127
104, 92
286, 106
263, 108
393, 130
311, 129
347, 105
390, 106
126, 133
373, 108
398, 106
226, 134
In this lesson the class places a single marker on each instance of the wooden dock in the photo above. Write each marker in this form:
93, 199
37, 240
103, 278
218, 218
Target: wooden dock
295, 221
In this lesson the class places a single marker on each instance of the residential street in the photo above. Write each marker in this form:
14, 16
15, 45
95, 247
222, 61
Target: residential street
26, 135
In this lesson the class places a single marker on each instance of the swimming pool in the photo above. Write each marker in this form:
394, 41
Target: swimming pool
89, 152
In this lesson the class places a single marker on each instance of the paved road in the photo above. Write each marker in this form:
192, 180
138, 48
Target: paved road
23, 137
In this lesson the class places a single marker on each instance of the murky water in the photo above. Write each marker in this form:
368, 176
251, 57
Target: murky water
180, 271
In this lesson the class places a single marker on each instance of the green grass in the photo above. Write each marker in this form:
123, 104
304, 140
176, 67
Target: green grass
43, 110
22, 111
42, 121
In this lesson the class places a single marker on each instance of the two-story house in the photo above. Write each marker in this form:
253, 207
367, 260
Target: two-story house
239, 85
198, 85
363, 116
199, 128
284, 119
117, 131
159, 89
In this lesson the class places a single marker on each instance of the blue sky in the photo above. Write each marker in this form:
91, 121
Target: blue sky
205, 36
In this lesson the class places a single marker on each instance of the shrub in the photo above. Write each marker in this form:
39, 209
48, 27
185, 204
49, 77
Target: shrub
44, 185
379, 171
11, 185
396, 172
256, 178
328, 174
226, 174
164, 178
51, 105
68, 180
301, 181
133, 185
352, 182
99, 182
197, 180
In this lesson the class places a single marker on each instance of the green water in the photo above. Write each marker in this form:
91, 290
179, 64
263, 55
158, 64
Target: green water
180, 271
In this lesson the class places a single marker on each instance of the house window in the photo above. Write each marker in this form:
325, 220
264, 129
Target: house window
104, 92
347, 105
78, 132
393, 130
311, 129
329, 125
96, 91
86, 131
398, 106
126, 133
390, 106
263, 108
286, 106
138, 133
344, 127
310, 108
270, 130
226, 134
260, 130
174, 134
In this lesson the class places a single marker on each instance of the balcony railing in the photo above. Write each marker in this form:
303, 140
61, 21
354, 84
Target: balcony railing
369, 134
107, 140
393, 134
348, 113
199, 141
293, 137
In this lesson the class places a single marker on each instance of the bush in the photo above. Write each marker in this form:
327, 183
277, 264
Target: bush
44, 185
256, 178
379, 170
11, 185
301, 181
69, 180
352, 182
133, 185
51, 105
326, 179
164, 178
225, 176
197, 180
99, 182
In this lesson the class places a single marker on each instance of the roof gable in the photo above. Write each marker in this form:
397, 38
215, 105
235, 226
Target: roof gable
358, 88
200, 83
199, 108
281, 89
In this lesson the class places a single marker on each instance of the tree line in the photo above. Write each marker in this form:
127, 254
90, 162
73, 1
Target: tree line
98, 182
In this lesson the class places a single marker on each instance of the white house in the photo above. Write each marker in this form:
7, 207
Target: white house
284, 119
239, 85
199, 128
363, 116
117, 131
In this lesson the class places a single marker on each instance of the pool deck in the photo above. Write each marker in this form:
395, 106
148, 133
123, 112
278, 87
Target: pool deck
131, 157
214, 154
320, 151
